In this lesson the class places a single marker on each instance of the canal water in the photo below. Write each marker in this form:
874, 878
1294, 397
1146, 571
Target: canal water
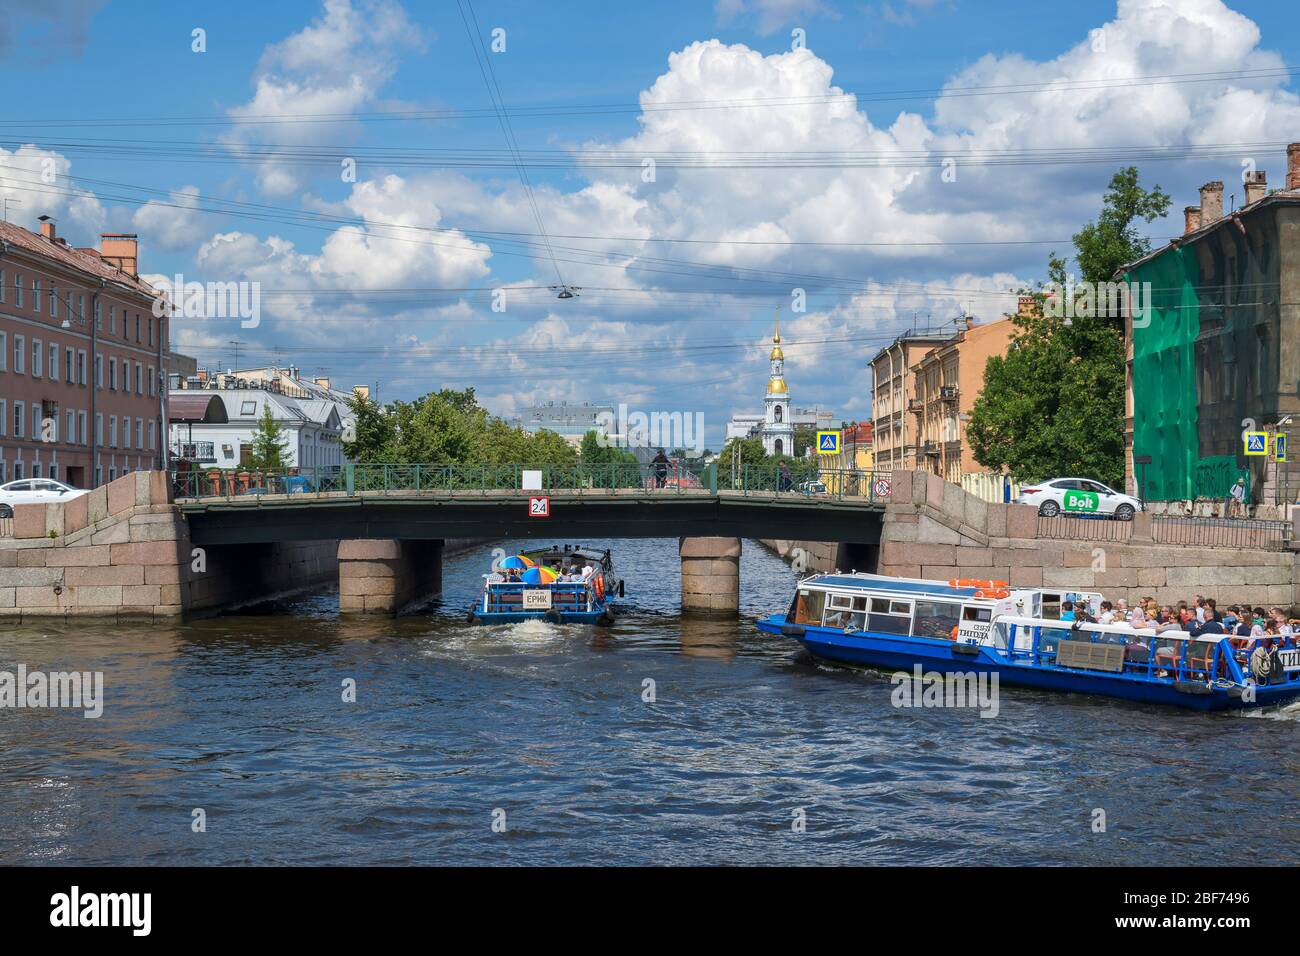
748, 753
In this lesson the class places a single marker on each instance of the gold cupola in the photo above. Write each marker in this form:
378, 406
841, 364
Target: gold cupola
776, 384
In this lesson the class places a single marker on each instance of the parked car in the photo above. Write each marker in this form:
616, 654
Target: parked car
28, 491
814, 487
1079, 496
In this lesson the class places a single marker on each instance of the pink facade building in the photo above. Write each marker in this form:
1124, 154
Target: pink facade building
81, 360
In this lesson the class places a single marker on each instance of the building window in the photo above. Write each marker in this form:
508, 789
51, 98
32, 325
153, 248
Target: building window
112, 432
139, 433
81, 428
36, 295
38, 358
99, 371
112, 375
67, 364
99, 317
112, 319
19, 418
54, 302
152, 382
81, 366
71, 435
18, 290
126, 431
4, 352
2, 285
139, 378
18, 469
4, 418
20, 347
54, 361
99, 429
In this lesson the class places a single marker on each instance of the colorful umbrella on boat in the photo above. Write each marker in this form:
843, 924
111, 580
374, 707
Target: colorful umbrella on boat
515, 561
538, 576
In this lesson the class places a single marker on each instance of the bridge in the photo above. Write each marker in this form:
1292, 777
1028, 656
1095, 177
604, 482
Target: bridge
398, 515
156, 545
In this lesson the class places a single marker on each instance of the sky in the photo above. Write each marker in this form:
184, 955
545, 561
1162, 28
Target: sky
411, 184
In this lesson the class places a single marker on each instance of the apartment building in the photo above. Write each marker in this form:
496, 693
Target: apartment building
893, 433
82, 359
946, 382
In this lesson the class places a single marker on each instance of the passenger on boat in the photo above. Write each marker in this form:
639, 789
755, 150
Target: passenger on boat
587, 571
1067, 610
1107, 613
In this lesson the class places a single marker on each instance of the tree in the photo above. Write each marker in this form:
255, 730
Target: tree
372, 431
269, 444
1054, 404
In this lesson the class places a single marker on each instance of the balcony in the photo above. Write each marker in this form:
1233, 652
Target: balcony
948, 393
915, 405
200, 452
930, 449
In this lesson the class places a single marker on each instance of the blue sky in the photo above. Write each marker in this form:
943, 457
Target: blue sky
390, 282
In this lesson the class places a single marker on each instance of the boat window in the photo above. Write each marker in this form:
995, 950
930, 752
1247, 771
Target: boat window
859, 604
880, 605
841, 601
977, 614
809, 606
896, 618
936, 618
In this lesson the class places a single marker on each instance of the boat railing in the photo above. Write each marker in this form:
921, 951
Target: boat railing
1172, 655
508, 596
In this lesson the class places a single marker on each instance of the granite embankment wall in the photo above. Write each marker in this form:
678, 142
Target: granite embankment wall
934, 529
123, 551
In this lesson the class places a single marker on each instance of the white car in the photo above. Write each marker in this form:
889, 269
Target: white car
1078, 496
29, 491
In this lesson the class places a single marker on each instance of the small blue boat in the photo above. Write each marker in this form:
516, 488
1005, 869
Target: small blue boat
965, 628
569, 585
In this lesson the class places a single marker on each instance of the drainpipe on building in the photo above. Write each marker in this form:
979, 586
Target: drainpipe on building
94, 386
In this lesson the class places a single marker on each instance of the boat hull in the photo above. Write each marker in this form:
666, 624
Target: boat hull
905, 653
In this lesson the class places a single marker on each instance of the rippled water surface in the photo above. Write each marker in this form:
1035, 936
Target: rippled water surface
243, 717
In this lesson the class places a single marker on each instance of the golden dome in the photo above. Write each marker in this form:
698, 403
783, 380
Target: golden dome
776, 386
777, 353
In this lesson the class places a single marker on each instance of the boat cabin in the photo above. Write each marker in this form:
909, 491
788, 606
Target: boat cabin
956, 610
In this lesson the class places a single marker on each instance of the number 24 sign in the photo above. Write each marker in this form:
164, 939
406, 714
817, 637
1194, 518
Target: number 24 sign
539, 507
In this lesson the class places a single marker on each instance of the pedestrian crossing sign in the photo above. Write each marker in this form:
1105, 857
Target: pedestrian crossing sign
1256, 443
1279, 446
828, 443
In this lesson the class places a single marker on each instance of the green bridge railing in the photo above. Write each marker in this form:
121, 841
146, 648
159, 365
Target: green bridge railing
673, 479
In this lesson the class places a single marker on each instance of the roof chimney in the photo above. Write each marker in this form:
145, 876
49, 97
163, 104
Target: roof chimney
323, 382
362, 390
47, 227
1211, 202
1191, 219
119, 249
1256, 185
1293, 166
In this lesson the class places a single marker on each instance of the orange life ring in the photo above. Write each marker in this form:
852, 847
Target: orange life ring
600, 587
975, 583
994, 593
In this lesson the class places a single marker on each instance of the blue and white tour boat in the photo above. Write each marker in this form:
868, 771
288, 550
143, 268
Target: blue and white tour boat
568, 585
965, 627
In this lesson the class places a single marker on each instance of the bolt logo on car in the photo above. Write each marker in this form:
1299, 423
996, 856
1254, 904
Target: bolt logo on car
1081, 501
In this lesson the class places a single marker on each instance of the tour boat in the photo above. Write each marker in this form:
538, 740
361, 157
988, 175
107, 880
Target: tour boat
534, 585
985, 627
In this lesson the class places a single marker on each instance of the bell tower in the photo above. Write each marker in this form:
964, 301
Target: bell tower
778, 430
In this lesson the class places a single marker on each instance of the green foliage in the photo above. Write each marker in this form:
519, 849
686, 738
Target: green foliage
269, 444
1054, 404
447, 427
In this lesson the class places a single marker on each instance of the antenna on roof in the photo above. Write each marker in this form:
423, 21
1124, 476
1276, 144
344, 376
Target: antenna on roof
7, 201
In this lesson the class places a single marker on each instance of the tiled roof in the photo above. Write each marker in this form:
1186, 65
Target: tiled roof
87, 261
